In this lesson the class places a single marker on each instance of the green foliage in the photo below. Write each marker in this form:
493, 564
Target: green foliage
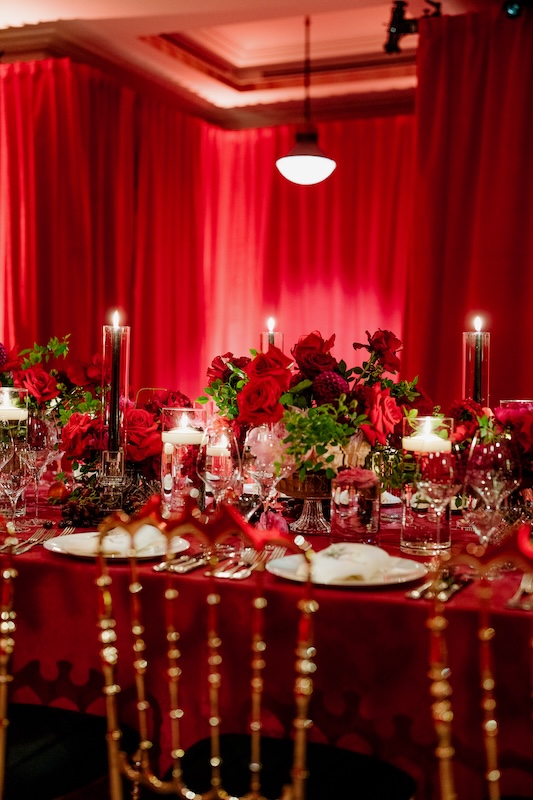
56, 348
311, 432
225, 394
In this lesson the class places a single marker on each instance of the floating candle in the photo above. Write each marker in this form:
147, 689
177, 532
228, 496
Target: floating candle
12, 414
426, 440
182, 436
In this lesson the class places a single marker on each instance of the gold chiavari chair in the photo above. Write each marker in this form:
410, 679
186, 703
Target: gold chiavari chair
517, 551
45, 752
223, 765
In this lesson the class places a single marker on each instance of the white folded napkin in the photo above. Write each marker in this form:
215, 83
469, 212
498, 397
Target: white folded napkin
348, 561
118, 542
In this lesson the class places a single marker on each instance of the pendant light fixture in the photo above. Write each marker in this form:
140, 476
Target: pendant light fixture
306, 163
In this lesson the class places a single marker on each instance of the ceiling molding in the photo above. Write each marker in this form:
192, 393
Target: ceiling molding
342, 85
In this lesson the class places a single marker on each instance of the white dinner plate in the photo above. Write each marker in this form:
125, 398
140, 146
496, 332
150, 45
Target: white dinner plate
402, 570
85, 545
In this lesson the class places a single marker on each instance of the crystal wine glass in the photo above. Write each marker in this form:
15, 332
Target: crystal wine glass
493, 472
39, 451
219, 463
14, 478
437, 482
265, 460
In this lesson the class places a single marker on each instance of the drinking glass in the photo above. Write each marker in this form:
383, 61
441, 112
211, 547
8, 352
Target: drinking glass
182, 432
429, 476
14, 478
219, 463
38, 452
492, 472
437, 482
265, 461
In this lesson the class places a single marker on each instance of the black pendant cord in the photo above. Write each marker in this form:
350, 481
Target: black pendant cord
307, 74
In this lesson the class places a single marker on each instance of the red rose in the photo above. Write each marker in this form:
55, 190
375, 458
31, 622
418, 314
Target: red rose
520, 421
82, 435
383, 413
274, 364
384, 344
312, 355
38, 382
143, 436
13, 360
219, 366
259, 401
85, 374
165, 399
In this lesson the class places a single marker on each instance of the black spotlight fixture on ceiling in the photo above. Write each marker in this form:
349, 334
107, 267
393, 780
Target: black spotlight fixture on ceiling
514, 8
400, 25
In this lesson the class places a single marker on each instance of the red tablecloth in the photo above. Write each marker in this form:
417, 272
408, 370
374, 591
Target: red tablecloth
371, 685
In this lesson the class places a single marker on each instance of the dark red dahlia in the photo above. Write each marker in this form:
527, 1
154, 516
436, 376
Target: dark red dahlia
328, 386
3, 355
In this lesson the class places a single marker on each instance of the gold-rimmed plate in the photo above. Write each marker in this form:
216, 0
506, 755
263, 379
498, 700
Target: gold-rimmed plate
400, 570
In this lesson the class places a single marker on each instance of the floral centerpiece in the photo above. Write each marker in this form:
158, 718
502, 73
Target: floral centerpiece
71, 393
331, 416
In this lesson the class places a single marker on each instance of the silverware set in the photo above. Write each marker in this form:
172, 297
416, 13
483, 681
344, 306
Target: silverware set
39, 536
236, 567
443, 588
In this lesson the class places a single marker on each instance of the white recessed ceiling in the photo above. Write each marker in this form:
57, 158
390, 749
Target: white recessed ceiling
235, 62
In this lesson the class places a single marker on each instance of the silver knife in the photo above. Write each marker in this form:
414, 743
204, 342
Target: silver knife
459, 583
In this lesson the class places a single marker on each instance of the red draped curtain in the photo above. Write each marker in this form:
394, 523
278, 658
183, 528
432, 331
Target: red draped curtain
473, 233
110, 200
67, 202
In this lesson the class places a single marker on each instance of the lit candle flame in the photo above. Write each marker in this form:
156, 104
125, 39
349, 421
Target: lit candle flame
271, 322
428, 427
184, 421
115, 320
477, 324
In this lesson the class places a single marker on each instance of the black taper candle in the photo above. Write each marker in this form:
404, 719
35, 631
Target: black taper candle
114, 394
478, 367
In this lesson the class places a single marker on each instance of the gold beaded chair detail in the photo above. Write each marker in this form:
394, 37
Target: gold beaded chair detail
515, 551
222, 765
45, 752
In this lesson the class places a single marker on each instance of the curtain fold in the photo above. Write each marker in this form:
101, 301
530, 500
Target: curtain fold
66, 194
111, 200
473, 233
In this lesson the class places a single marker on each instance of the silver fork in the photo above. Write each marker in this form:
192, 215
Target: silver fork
255, 561
39, 536
526, 588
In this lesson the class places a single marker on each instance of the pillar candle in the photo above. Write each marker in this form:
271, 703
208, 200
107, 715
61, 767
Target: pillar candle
116, 361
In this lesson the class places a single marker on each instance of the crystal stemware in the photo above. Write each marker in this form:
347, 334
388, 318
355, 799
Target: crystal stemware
38, 452
219, 463
492, 472
437, 482
14, 478
265, 461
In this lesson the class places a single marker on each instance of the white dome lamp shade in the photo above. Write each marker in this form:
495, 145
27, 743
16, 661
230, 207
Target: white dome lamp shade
306, 164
